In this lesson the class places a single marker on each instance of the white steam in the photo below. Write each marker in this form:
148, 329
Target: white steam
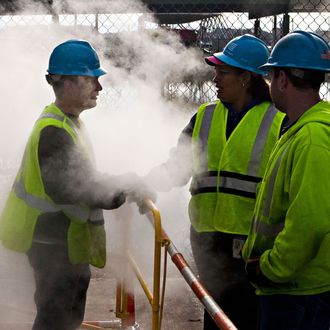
132, 128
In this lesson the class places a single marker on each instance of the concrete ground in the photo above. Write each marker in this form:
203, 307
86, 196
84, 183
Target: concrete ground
182, 310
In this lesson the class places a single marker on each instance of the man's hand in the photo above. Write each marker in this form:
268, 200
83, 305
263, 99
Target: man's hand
139, 194
117, 200
136, 190
255, 274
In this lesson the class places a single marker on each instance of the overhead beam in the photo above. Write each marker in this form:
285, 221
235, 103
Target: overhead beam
197, 9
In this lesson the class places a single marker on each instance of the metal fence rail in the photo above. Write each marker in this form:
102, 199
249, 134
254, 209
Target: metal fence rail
208, 25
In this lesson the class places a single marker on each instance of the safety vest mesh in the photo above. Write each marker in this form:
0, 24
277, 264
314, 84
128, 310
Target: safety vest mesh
27, 200
227, 171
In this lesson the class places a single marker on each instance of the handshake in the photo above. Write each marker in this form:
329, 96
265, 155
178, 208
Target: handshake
133, 189
139, 196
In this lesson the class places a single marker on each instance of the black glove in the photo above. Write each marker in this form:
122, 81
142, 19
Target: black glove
117, 200
139, 194
134, 188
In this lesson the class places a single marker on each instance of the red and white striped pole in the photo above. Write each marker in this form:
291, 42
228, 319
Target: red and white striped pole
218, 315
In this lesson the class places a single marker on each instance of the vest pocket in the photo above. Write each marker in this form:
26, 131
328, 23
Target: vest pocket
87, 243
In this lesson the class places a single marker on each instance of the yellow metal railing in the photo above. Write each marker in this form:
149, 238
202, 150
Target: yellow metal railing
156, 300
125, 299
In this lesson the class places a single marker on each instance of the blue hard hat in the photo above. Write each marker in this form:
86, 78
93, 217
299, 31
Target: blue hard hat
246, 52
75, 58
300, 49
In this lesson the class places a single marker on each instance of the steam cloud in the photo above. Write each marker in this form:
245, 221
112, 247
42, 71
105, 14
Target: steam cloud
132, 128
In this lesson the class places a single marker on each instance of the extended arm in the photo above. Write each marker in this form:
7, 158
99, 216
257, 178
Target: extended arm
178, 169
69, 176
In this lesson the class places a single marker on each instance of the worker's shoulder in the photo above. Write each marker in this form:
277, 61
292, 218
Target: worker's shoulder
54, 135
208, 105
314, 133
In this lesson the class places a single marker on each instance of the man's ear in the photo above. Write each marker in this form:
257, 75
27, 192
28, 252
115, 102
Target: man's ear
283, 80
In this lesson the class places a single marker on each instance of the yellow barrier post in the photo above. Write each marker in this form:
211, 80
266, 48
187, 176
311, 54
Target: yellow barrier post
125, 310
154, 297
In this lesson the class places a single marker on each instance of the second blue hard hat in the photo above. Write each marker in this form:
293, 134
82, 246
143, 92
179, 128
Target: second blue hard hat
300, 49
75, 58
245, 52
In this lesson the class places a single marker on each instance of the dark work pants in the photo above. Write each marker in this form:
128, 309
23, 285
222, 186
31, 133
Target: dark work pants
287, 312
225, 279
61, 288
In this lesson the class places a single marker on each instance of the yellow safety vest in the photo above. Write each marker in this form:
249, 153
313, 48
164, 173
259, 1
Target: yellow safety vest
227, 171
28, 200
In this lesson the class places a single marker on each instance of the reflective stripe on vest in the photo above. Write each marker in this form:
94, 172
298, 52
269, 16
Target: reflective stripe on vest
46, 206
238, 184
260, 140
95, 216
56, 117
205, 129
260, 227
204, 182
230, 182
33, 201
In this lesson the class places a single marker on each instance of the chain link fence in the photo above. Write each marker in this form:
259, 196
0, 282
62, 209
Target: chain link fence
207, 25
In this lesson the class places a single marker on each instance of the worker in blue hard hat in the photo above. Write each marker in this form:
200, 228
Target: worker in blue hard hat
225, 149
287, 250
54, 210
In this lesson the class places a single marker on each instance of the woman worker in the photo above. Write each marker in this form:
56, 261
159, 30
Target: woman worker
224, 149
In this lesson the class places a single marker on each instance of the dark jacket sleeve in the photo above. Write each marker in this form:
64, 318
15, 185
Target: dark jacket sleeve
178, 169
69, 176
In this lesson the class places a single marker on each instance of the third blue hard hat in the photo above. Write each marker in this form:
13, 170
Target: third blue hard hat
300, 49
245, 52
75, 58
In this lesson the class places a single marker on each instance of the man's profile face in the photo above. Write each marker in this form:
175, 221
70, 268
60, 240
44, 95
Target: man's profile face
275, 92
84, 92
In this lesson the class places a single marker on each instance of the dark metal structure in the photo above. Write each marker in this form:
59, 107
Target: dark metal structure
186, 10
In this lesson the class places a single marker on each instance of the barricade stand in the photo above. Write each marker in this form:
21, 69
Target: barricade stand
160, 241
125, 301
218, 315
125, 307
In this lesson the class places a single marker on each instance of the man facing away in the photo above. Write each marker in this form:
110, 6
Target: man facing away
287, 250
54, 210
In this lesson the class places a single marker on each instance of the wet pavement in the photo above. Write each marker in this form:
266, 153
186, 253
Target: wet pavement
182, 310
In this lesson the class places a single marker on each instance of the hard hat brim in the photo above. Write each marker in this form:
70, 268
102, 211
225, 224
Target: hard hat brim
231, 62
99, 72
89, 73
269, 66
213, 61
222, 59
